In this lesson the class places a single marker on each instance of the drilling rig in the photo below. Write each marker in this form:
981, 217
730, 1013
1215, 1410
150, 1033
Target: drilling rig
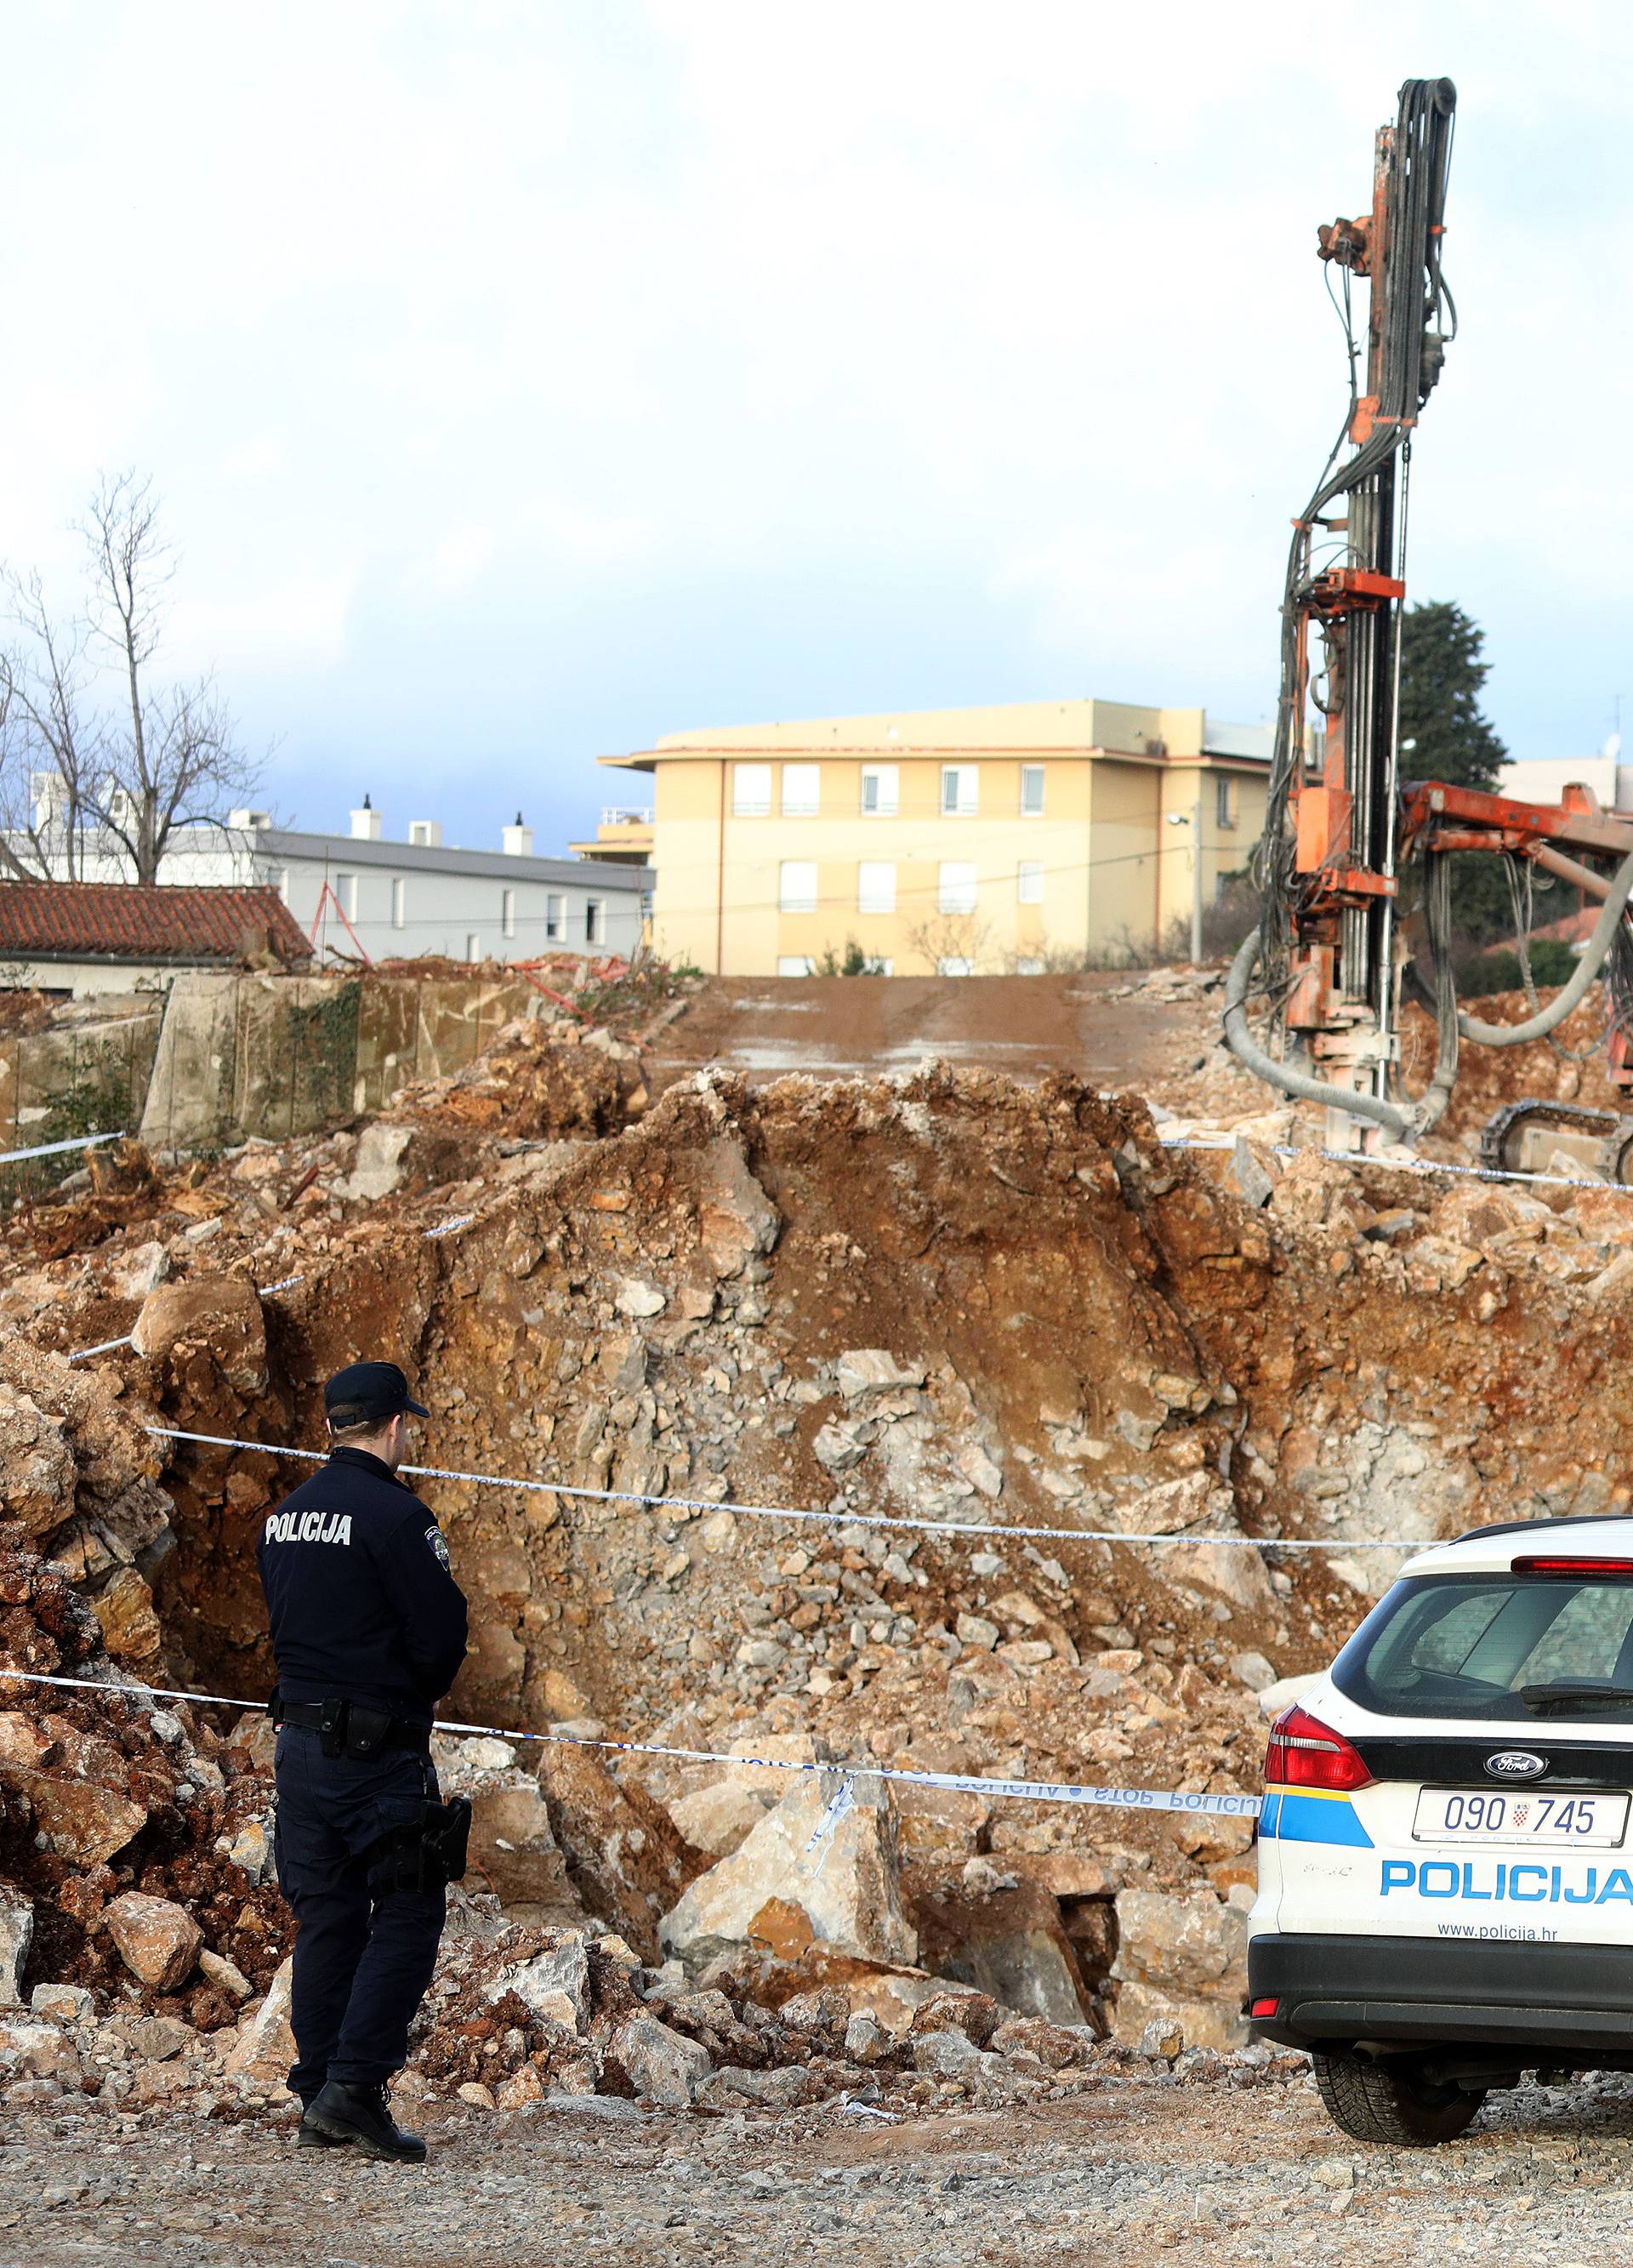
1328, 955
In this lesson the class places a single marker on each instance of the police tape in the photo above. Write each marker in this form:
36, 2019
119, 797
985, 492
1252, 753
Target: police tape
56, 1149
883, 1519
1020, 1791
1225, 1142
266, 1291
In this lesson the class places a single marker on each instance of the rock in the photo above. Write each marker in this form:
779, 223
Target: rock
976, 1630
845, 1891
639, 1300
661, 2063
946, 2055
514, 1850
1057, 2046
736, 1221
865, 1370
265, 2046
780, 2089
124, 1608
867, 2041
1273, 1699
1215, 2023
140, 1269
974, 2015
1254, 1672
80, 1821
251, 1849
484, 1756
1162, 2038
717, 1820
1030, 1971
624, 1856
1254, 1172
42, 2049
156, 1940
837, 1449
62, 2004
377, 1166
17, 1934
37, 1476
156, 2039
1183, 1945
218, 1315
221, 1971
479, 2097
555, 1985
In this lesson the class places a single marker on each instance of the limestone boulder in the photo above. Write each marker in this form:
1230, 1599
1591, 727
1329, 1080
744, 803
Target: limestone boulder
718, 1819
555, 1985
156, 1940
124, 1608
736, 1221
265, 2046
513, 1849
218, 1317
803, 1872
1184, 1958
17, 1934
660, 2064
625, 1857
80, 1821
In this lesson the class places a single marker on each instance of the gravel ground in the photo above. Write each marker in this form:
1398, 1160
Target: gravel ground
1140, 2169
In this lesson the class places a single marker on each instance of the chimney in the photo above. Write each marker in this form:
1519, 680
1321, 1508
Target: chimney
425, 833
517, 840
365, 824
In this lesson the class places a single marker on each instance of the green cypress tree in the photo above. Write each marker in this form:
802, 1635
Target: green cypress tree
1444, 736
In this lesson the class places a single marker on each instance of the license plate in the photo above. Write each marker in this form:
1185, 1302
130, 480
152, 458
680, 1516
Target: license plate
1477, 1815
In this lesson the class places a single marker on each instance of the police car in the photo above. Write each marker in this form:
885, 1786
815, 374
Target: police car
1445, 1868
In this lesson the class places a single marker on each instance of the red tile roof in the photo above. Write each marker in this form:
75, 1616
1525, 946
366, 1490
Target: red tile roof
120, 921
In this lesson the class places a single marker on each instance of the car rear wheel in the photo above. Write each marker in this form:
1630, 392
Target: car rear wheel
1391, 2102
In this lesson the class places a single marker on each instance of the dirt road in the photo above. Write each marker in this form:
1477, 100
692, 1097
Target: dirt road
1135, 2170
833, 1026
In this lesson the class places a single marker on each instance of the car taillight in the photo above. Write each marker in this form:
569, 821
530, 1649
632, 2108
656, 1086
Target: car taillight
1264, 2007
1532, 1564
1305, 1753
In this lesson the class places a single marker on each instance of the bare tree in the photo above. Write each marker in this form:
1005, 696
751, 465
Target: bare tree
48, 752
158, 757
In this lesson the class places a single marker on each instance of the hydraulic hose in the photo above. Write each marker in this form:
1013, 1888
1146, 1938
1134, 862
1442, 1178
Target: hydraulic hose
1398, 1124
1570, 996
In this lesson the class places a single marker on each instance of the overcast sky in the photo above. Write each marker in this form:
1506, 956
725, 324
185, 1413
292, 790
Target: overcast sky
524, 382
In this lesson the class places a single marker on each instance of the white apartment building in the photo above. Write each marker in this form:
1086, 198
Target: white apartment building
395, 899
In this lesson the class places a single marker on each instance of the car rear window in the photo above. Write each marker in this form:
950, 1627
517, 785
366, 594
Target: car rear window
1466, 1646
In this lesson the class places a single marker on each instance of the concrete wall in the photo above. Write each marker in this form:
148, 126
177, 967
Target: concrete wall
38, 1069
244, 1055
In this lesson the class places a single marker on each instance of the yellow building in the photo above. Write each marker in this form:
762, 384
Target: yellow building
963, 839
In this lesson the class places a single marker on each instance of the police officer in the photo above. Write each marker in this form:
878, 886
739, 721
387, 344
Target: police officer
368, 1631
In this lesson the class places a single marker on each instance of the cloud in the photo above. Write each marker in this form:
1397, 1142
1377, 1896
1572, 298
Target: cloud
297, 625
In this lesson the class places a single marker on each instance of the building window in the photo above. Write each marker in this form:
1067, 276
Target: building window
955, 964
956, 892
346, 892
751, 790
507, 912
1026, 968
793, 964
554, 919
1224, 801
876, 887
879, 964
1032, 791
594, 923
880, 789
802, 791
961, 790
1029, 883
797, 888
473, 946
398, 901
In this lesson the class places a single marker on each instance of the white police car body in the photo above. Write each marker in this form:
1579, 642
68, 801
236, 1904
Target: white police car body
1445, 1860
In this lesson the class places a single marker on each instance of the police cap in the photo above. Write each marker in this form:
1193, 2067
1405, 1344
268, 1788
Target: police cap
367, 1393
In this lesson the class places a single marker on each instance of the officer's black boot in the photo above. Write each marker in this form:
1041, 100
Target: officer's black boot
308, 2137
361, 2116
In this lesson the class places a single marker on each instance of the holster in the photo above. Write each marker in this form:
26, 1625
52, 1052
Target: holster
424, 1853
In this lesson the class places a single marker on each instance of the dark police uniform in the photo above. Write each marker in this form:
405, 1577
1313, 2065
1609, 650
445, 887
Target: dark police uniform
363, 1610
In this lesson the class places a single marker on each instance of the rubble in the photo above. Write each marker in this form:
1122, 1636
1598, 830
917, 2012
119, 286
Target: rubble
942, 1299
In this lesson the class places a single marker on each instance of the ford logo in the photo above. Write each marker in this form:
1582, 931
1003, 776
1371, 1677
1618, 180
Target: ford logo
1515, 1764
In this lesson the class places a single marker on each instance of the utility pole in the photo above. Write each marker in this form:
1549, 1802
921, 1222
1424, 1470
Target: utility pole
1196, 877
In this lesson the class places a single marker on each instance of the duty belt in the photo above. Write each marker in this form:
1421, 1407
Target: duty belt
349, 1727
